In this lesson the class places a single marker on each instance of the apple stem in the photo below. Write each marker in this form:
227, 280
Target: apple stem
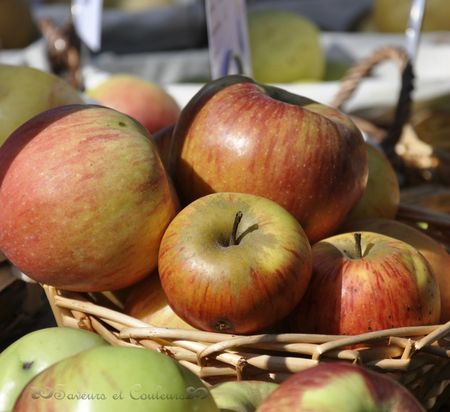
358, 247
233, 238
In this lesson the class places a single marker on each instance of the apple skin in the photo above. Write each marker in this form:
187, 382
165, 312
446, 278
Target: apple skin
34, 352
84, 199
116, 379
392, 285
148, 103
163, 141
381, 196
434, 252
339, 386
148, 302
236, 135
239, 288
26, 92
241, 396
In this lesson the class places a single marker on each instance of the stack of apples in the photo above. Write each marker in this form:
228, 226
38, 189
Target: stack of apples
269, 206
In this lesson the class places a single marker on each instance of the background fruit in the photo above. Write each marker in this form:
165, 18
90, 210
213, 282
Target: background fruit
145, 101
17, 28
85, 212
26, 92
285, 47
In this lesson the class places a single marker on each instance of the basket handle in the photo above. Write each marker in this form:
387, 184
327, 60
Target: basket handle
352, 80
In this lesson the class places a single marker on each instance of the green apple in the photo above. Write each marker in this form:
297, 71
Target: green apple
84, 199
17, 28
285, 47
25, 92
381, 197
31, 354
234, 263
242, 396
116, 379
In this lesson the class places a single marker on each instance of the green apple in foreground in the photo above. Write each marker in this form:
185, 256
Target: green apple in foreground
26, 91
31, 354
364, 282
241, 396
84, 199
116, 379
234, 263
338, 386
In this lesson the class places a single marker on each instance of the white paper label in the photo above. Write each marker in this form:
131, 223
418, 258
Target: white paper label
228, 43
87, 20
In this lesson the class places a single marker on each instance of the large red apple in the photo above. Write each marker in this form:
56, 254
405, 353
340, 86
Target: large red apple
434, 252
239, 136
145, 101
338, 386
367, 283
84, 199
234, 263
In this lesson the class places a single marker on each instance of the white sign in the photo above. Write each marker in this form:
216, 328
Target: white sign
87, 20
228, 42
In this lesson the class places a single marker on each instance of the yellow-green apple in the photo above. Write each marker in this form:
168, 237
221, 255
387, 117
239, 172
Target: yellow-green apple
241, 396
147, 102
234, 262
148, 302
236, 135
26, 92
339, 386
36, 351
394, 18
365, 281
433, 251
116, 378
285, 47
84, 199
381, 196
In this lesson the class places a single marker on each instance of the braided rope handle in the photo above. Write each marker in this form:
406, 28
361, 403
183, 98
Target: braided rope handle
355, 75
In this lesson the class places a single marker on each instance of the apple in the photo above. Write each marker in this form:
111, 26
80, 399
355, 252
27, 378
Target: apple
136, 5
84, 199
234, 263
26, 92
116, 379
339, 386
285, 47
17, 28
433, 251
147, 102
163, 141
381, 196
241, 396
365, 281
236, 135
2, 257
148, 302
395, 19
34, 352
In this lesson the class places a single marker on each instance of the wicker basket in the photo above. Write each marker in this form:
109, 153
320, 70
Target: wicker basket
417, 357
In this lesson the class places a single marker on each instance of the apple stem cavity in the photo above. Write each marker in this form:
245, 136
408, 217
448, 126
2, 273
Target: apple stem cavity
358, 247
233, 236
27, 365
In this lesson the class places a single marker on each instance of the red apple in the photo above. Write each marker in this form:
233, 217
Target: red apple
84, 199
162, 139
236, 135
339, 386
234, 263
147, 102
381, 196
366, 283
148, 302
434, 252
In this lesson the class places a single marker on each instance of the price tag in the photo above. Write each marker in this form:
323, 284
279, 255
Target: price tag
229, 50
87, 20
